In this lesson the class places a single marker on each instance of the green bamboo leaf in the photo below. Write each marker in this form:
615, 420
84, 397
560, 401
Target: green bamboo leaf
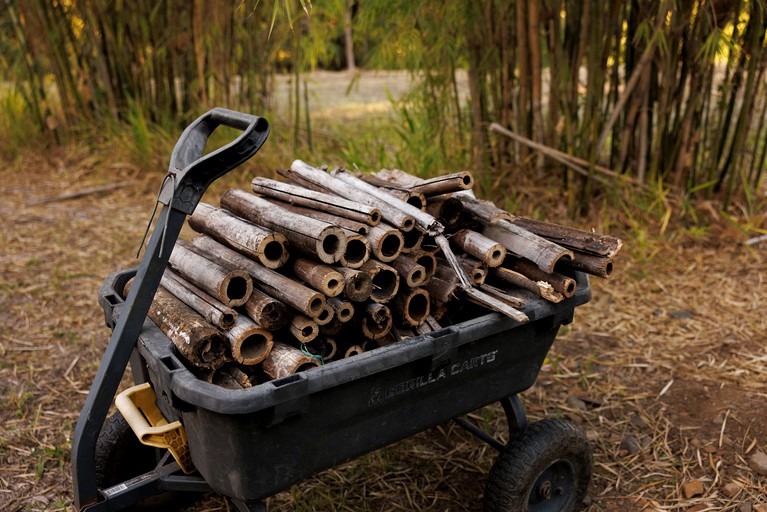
304, 4
274, 17
290, 17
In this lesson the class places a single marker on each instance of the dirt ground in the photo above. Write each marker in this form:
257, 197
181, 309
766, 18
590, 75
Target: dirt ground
665, 370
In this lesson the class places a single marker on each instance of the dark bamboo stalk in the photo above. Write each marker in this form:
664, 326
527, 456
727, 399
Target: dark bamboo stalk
573, 238
561, 283
326, 315
447, 209
358, 285
595, 265
266, 311
540, 288
344, 309
427, 260
412, 273
376, 321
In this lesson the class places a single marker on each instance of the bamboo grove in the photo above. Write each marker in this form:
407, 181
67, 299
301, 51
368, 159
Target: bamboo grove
660, 94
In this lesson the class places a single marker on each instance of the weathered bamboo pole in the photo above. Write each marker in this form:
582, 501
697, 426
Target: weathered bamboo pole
303, 328
270, 282
249, 342
447, 209
412, 307
328, 203
199, 342
411, 241
561, 283
358, 285
573, 238
385, 242
410, 271
317, 238
343, 308
522, 243
242, 236
231, 287
326, 315
385, 280
475, 244
442, 291
266, 311
427, 260
540, 288
285, 360
322, 179
439, 185
320, 277
209, 308
357, 250
348, 224
483, 210
594, 265
376, 321
476, 270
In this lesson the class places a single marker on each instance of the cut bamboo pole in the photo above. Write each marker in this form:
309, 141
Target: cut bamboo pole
561, 283
242, 236
357, 250
230, 376
351, 225
521, 242
475, 244
214, 311
385, 242
353, 350
249, 342
326, 316
376, 321
358, 285
325, 348
317, 238
266, 311
411, 241
412, 307
385, 280
303, 171
572, 238
231, 287
444, 184
475, 270
594, 265
410, 271
540, 288
320, 277
447, 209
483, 210
328, 203
285, 360
427, 260
196, 340
343, 308
442, 291
270, 282
303, 328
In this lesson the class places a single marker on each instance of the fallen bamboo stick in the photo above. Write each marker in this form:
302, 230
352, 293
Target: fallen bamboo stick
320, 277
594, 265
384, 278
561, 283
249, 342
212, 310
573, 238
303, 328
357, 250
522, 243
196, 340
328, 203
412, 273
475, 244
226, 283
376, 321
358, 284
242, 236
540, 288
317, 238
266, 311
412, 307
270, 282
351, 225
285, 360
322, 179
385, 242
343, 308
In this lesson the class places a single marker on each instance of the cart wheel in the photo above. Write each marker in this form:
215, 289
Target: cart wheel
120, 456
546, 469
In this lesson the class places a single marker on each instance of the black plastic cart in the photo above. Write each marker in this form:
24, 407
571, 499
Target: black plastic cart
250, 444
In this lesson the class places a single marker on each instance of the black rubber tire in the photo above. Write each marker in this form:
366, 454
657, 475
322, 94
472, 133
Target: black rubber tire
546, 469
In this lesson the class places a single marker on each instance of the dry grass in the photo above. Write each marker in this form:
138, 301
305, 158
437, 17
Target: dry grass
668, 364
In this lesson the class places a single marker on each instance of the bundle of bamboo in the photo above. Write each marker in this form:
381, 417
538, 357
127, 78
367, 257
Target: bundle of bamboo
336, 264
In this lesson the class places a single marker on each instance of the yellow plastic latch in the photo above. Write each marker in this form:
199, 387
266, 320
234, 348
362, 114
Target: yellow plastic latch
138, 407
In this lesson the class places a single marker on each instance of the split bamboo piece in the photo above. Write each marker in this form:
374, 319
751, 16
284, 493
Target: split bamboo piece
475, 244
320, 277
357, 250
317, 238
285, 360
376, 321
540, 288
270, 282
385, 242
209, 308
231, 287
351, 225
358, 284
594, 265
249, 342
242, 236
561, 283
327, 182
303, 328
343, 308
385, 280
410, 271
412, 306
199, 342
266, 311
576, 239
328, 203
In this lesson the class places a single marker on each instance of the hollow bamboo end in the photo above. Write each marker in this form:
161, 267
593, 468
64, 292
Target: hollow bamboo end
428, 262
331, 245
389, 246
467, 180
354, 350
303, 329
235, 288
331, 350
416, 276
411, 241
326, 315
358, 287
495, 256
385, 284
315, 305
272, 251
375, 217
333, 284
357, 252
415, 308
252, 346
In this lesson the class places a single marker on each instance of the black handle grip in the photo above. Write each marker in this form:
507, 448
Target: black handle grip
194, 172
